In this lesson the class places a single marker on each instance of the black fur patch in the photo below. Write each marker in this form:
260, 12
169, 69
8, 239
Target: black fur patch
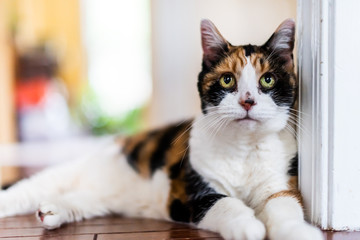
175, 169
215, 94
201, 196
218, 54
283, 93
179, 211
202, 205
206, 68
249, 49
199, 86
157, 159
294, 165
133, 156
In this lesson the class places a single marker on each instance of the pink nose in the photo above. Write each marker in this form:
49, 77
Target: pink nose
247, 104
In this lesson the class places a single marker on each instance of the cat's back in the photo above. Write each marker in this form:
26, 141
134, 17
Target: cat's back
164, 148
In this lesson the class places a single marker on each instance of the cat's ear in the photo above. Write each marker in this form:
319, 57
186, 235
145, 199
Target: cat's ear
281, 43
213, 43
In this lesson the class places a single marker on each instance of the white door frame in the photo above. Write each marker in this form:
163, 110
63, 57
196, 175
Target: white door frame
327, 103
314, 112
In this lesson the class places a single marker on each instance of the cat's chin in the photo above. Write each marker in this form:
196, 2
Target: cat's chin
247, 123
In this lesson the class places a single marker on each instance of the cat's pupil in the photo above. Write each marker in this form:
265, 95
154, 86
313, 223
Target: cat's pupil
268, 79
227, 79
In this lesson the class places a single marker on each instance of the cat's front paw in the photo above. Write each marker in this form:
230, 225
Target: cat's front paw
242, 228
296, 231
49, 215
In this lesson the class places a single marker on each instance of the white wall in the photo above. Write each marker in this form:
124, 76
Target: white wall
346, 158
177, 51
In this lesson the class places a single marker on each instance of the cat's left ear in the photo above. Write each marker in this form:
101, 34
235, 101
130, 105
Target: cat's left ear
281, 43
213, 43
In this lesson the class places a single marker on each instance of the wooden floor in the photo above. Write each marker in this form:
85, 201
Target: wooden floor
26, 227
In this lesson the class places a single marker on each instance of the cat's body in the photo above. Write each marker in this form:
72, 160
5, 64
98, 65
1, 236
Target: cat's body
230, 170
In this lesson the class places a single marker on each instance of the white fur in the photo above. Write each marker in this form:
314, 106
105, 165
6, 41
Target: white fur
88, 188
233, 220
284, 219
242, 166
50, 215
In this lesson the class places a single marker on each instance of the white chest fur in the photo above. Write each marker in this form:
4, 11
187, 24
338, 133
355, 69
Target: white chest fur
239, 164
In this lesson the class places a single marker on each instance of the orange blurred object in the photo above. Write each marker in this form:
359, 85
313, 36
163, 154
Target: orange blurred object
31, 92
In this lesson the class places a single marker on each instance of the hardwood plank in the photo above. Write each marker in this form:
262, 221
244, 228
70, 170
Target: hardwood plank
64, 237
21, 232
119, 220
174, 234
138, 225
332, 235
28, 221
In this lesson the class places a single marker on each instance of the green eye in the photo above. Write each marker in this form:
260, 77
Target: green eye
227, 81
267, 80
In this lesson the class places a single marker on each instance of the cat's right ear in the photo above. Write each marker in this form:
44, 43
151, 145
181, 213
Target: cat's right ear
213, 44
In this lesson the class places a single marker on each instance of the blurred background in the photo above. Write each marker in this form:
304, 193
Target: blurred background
70, 69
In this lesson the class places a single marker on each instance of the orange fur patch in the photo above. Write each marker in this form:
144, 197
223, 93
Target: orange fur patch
292, 192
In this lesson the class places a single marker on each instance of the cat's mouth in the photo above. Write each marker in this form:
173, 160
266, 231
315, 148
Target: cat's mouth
246, 118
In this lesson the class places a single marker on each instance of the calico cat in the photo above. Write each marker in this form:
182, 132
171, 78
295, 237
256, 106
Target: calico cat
231, 170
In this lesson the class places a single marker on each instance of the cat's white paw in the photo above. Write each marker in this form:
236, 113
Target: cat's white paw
49, 215
296, 231
243, 228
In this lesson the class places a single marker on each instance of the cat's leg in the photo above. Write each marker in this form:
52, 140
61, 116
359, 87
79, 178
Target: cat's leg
71, 207
228, 216
92, 172
283, 216
25, 196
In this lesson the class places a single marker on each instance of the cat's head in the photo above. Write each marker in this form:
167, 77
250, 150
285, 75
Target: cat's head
252, 87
